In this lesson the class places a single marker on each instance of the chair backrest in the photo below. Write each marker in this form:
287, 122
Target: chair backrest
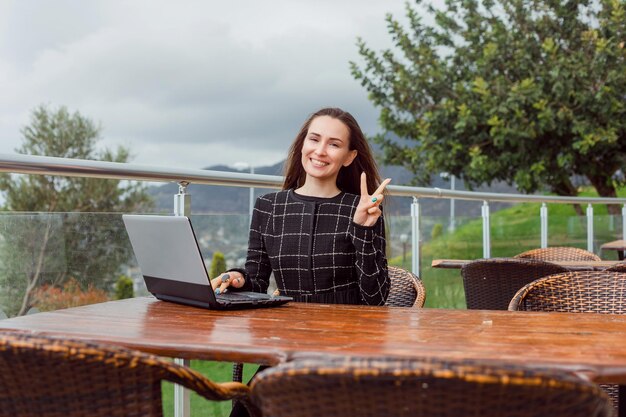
576, 292
385, 387
491, 283
406, 290
47, 376
559, 253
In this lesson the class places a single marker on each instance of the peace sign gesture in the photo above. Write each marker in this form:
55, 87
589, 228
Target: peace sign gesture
368, 212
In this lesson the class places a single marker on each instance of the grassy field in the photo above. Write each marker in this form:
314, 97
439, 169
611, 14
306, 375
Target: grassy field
513, 230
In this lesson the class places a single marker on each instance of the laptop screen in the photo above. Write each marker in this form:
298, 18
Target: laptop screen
166, 248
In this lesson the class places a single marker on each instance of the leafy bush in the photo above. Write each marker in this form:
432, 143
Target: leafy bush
50, 297
124, 288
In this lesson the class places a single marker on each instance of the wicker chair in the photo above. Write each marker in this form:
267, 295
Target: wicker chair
491, 283
407, 290
390, 387
576, 292
54, 377
559, 253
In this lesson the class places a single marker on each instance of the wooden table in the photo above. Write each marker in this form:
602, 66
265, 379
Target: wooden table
591, 344
572, 265
616, 245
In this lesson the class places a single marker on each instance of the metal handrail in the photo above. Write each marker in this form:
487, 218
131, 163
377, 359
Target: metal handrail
47, 165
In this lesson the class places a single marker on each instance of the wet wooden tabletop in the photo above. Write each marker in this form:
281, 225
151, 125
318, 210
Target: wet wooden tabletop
592, 344
571, 265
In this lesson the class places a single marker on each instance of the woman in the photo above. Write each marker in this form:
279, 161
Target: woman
323, 235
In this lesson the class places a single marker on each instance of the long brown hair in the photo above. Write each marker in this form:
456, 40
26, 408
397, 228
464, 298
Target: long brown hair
349, 178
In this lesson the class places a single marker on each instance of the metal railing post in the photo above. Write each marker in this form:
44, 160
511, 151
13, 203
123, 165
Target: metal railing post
182, 401
543, 213
590, 228
415, 237
452, 225
486, 230
182, 200
251, 200
624, 222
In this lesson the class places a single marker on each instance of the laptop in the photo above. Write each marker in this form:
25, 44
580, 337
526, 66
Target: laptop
171, 263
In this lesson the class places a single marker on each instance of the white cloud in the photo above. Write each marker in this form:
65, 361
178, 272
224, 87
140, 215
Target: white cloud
188, 83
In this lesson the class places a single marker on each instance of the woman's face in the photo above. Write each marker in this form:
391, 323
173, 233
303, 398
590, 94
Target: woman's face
326, 148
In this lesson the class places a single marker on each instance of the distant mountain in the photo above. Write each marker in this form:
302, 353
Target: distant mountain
219, 199
213, 198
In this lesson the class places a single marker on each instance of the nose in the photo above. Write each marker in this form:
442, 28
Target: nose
320, 149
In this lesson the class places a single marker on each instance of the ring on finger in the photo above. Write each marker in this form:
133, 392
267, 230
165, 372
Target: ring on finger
225, 278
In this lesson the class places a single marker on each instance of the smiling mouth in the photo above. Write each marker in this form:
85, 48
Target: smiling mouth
318, 163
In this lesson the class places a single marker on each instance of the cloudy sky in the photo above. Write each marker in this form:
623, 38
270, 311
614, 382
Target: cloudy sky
187, 83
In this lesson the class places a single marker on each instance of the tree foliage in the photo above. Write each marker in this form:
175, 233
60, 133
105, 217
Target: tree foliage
524, 91
45, 239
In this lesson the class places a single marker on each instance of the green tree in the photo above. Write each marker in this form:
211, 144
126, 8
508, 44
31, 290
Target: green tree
44, 240
218, 264
531, 92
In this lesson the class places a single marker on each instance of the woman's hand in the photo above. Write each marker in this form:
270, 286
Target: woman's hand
227, 279
368, 212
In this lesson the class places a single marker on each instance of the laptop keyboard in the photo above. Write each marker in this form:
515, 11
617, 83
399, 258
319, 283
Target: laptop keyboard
233, 296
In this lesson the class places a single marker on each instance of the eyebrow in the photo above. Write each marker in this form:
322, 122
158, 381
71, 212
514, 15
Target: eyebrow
319, 136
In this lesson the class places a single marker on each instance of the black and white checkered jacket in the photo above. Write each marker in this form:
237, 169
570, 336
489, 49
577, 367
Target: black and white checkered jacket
316, 251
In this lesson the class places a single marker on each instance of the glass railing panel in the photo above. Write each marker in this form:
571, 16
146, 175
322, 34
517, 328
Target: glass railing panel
514, 232
50, 261
225, 233
607, 228
444, 288
57, 260
567, 231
